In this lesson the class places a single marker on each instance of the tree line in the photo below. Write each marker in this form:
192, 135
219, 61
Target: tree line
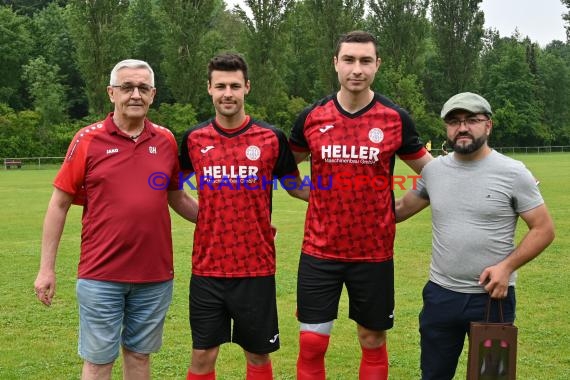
56, 56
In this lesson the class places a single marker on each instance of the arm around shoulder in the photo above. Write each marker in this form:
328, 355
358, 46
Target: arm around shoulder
418, 164
184, 205
300, 156
409, 205
296, 188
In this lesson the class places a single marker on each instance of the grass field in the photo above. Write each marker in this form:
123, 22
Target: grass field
40, 343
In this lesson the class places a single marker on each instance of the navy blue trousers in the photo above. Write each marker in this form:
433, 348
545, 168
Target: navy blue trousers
444, 323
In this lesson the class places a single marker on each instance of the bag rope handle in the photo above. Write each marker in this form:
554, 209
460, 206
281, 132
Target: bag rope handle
488, 313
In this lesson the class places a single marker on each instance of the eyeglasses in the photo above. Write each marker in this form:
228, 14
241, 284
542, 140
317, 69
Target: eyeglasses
127, 88
469, 122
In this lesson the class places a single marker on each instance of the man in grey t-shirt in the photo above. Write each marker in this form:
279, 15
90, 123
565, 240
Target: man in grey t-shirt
476, 196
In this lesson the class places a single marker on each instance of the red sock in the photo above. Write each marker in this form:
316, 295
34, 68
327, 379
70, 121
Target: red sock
374, 363
207, 376
311, 360
259, 372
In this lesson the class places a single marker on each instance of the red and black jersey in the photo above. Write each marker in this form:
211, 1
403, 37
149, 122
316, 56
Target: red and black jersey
234, 174
122, 184
351, 209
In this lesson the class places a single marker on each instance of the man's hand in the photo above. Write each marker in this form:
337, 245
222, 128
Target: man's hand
495, 280
44, 286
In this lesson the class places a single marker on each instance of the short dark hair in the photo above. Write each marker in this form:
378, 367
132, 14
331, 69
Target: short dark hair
227, 62
356, 36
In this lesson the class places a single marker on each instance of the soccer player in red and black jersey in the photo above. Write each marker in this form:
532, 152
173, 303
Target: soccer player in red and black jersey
117, 169
234, 159
353, 135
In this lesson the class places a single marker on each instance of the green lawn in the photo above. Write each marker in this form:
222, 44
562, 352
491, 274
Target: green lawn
40, 342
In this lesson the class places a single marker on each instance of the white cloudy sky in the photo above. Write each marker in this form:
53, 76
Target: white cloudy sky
541, 20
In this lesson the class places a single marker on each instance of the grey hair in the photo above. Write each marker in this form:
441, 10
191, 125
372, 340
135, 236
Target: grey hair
133, 64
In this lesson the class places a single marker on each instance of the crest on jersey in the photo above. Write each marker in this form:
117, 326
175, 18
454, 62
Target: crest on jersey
253, 153
376, 135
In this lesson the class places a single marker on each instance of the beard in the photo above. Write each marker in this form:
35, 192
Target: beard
475, 144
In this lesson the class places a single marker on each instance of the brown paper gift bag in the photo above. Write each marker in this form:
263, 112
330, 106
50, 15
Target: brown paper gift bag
492, 349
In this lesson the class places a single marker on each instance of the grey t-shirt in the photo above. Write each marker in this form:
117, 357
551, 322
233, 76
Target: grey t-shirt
475, 207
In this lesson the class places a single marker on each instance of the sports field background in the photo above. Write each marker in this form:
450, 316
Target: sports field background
41, 343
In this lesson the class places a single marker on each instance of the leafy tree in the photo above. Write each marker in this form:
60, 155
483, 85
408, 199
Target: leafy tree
401, 27
457, 27
226, 34
302, 54
46, 90
554, 74
264, 52
286, 118
406, 91
231, 26
97, 28
8, 130
264, 26
566, 17
52, 41
432, 78
510, 87
15, 47
185, 23
59, 137
30, 7
178, 118
146, 39
255, 111
56, 56
330, 20
19, 133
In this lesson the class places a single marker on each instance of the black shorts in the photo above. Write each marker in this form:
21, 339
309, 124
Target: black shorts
370, 289
251, 304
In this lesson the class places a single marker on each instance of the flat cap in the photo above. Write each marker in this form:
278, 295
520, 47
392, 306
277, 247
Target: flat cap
467, 101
